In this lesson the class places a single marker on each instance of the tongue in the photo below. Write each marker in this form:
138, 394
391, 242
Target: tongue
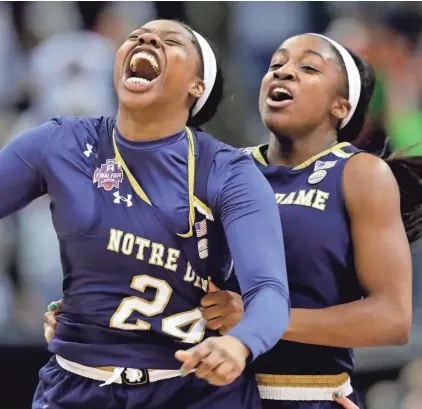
144, 70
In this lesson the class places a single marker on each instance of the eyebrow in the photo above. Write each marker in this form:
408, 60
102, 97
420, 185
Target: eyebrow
313, 52
148, 30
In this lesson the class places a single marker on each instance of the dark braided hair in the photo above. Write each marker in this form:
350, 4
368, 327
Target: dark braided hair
210, 108
406, 169
408, 173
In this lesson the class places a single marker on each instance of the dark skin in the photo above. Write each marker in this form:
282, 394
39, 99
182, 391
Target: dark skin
300, 130
382, 254
158, 109
161, 108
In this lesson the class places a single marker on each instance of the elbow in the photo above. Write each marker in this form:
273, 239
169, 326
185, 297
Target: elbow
399, 331
402, 333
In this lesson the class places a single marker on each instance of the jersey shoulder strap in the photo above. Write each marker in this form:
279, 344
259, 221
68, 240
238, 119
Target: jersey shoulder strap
205, 150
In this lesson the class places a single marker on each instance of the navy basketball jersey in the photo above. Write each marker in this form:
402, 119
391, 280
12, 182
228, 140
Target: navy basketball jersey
137, 256
144, 293
319, 253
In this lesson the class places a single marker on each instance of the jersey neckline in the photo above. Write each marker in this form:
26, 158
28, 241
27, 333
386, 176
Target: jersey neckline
258, 155
149, 144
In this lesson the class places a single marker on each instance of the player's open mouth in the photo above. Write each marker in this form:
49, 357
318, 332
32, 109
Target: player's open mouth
279, 97
142, 70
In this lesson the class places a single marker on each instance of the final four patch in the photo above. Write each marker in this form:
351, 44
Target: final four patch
109, 176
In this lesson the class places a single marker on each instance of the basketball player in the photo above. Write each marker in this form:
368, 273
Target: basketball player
143, 206
343, 233
348, 257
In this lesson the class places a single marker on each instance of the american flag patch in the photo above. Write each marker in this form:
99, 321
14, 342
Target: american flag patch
201, 228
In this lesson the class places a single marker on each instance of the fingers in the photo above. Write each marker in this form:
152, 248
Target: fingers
51, 319
48, 333
216, 324
343, 401
192, 357
215, 311
212, 288
55, 306
209, 364
213, 361
213, 299
225, 374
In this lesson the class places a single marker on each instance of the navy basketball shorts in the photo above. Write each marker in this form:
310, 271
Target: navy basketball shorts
61, 389
285, 404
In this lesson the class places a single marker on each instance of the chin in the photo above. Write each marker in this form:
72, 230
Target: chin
136, 101
276, 123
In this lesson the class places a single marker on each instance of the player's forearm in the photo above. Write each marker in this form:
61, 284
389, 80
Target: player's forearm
364, 323
258, 329
251, 221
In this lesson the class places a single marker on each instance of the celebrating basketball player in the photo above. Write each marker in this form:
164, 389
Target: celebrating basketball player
143, 207
348, 257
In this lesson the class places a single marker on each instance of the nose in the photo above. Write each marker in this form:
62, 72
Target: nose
150, 39
286, 72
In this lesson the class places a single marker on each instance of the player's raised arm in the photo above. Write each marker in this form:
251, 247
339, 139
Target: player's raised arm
20, 166
251, 221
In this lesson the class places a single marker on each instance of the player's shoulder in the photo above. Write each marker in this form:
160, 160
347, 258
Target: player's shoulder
367, 169
79, 126
223, 154
78, 133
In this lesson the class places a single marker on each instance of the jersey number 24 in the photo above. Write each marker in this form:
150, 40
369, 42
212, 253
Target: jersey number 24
171, 325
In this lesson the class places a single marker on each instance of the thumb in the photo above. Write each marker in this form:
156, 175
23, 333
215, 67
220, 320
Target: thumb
212, 288
181, 355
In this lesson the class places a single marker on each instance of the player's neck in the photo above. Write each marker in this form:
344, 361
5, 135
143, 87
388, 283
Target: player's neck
136, 127
284, 151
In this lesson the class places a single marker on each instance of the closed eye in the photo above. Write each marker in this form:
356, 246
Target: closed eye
170, 41
310, 69
133, 37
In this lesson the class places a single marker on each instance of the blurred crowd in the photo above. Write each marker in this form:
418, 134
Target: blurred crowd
56, 58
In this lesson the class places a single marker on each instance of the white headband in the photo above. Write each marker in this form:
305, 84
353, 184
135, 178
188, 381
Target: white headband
210, 71
353, 78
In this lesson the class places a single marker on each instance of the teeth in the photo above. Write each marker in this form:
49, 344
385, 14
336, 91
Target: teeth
146, 56
136, 80
281, 89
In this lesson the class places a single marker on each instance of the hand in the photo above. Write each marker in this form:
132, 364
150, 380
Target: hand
222, 309
343, 401
51, 318
219, 360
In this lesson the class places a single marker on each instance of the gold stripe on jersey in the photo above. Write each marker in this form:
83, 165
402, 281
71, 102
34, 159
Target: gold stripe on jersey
191, 179
336, 150
256, 153
333, 149
304, 381
191, 185
340, 153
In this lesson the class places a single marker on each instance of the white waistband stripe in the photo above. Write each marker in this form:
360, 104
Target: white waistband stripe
300, 393
114, 376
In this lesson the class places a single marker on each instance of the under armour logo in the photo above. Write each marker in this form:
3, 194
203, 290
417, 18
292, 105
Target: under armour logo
118, 199
89, 151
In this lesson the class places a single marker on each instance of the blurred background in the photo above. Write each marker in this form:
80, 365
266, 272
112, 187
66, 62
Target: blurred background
56, 58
